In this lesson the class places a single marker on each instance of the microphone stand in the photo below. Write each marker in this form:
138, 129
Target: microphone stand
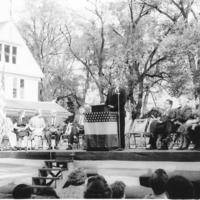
119, 126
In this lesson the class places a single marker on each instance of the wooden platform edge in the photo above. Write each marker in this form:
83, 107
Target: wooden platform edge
144, 155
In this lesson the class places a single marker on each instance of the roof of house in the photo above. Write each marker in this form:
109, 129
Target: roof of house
26, 65
13, 107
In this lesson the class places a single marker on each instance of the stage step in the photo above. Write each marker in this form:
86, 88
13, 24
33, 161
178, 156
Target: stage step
57, 163
53, 172
45, 181
37, 189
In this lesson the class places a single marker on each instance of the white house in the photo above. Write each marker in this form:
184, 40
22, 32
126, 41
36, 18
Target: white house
20, 73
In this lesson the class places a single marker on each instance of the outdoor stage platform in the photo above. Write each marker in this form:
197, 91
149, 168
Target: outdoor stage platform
126, 155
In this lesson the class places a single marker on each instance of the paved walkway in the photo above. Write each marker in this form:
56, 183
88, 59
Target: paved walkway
18, 170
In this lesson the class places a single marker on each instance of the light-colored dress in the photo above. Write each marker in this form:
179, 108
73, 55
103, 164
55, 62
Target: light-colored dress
37, 125
9, 132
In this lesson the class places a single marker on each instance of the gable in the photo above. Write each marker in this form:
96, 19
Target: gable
26, 65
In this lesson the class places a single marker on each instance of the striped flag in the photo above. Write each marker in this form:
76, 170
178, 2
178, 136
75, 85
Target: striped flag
101, 130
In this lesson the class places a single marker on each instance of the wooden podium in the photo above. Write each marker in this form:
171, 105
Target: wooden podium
101, 132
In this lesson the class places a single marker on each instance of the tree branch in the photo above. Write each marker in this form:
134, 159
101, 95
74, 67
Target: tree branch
159, 10
153, 64
69, 41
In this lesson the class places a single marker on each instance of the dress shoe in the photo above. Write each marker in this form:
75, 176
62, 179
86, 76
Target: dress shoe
119, 149
150, 148
69, 148
197, 148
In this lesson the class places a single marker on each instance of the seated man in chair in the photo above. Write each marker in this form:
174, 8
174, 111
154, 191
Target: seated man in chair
185, 119
21, 129
76, 128
54, 129
161, 128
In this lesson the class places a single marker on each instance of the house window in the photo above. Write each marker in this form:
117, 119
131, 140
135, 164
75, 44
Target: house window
21, 88
7, 53
14, 87
0, 51
14, 55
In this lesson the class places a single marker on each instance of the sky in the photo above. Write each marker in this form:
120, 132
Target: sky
19, 8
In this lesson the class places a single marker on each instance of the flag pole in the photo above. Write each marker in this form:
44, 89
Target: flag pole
119, 126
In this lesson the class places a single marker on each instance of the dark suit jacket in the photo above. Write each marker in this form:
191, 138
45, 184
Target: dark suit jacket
112, 99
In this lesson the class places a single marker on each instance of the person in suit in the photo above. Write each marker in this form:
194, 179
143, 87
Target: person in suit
115, 101
54, 128
76, 128
185, 117
164, 126
21, 129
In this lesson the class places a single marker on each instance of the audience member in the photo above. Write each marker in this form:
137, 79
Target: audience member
118, 190
22, 191
46, 193
97, 188
74, 186
158, 183
178, 187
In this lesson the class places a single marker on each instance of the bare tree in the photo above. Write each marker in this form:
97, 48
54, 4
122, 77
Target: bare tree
93, 55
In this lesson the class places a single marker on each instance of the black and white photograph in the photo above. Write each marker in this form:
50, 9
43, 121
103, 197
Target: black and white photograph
99, 99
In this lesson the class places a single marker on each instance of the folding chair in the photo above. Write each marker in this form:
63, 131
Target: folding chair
139, 129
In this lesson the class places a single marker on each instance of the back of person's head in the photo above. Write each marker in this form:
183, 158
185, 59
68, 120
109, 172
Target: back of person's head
22, 191
118, 190
179, 187
158, 181
76, 177
97, 188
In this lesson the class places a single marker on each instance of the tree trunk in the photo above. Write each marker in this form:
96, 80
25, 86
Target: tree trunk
41, 91
87, 83
101, 95
140, 97
194, 71
146, 97
130, 90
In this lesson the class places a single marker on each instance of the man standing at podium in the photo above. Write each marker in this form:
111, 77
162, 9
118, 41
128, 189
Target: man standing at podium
115, 102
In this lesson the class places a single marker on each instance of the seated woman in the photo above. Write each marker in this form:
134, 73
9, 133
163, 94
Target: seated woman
21, 129
37, 126
10, 133
6, 129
